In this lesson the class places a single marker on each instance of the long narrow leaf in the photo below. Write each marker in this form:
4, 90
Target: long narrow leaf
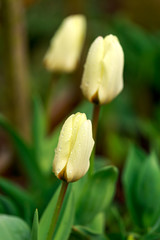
38, 129
65, 219
24, 152
22, 199
8, 206
34, 233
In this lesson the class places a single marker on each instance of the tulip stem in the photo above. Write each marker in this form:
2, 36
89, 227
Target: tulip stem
57, 210
50, 94
95, 117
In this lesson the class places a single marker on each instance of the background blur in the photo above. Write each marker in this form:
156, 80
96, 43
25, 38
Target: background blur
134, 116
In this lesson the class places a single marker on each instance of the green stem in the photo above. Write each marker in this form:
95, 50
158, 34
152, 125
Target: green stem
57, 210
95, 117
50, 94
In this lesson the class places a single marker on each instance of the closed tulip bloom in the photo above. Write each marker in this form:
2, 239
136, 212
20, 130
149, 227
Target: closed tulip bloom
71, 161
103, 73
66, 45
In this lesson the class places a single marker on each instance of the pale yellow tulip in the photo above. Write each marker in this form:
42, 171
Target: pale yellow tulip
71, 161
66, 45
103, 74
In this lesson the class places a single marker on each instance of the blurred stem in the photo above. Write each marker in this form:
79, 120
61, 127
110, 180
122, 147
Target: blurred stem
15, 66
95, 117
51, 91
74, 7
57, 210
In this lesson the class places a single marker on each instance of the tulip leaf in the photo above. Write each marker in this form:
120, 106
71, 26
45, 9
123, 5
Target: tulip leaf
24, 151
95, 227
49, 145
96, 195
15, 191
8, 206
13, 228
22, 198
65, 220
141, 184
43, 147
148, 191
153, 236
34, 233
38, 129
134, 163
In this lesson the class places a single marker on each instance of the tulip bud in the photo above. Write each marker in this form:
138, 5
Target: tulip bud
71, 161
66, 45
103, 74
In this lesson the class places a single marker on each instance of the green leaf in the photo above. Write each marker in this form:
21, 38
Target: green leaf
120, 222
25, 153
132, 169
13, 228
15, 192
156, 227
153, 236
8, 206
34, 233
65, 219
82, 233
19, 196
94, 228
48, 148
141, 184
96, 195
148, 191
38, 129
97, 225
43, 146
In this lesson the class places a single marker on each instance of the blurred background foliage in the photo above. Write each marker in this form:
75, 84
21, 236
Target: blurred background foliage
133, 117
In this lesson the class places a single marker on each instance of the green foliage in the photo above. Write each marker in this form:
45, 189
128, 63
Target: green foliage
38, 129
13, 228
148, 191
96, 195
34, 233
153, 236
22, 199
141, 180
24, 152
7, 206
65, 219
133, 117
43, 146
94, 228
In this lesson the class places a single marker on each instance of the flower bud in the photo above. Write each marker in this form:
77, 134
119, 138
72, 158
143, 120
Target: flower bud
103, 74
66, 45
71, 161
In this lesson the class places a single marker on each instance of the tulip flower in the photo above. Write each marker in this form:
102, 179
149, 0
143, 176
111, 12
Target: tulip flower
66, 45
71, 161
103, 74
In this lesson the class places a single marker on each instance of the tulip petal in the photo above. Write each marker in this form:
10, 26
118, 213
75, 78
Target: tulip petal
66, 45
78, 120
78, 162
92, 71
63, 149
112, 76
